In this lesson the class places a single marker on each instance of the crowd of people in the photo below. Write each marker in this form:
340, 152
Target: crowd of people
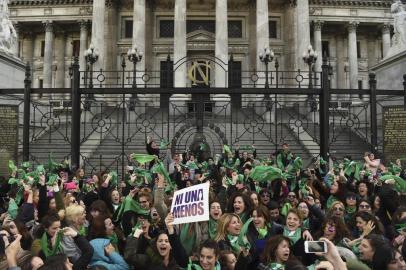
262, 212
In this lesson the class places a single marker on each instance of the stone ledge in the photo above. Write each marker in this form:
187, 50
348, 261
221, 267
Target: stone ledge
368, 3
48, 2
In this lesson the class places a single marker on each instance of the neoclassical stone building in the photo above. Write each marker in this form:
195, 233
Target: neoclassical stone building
354, 34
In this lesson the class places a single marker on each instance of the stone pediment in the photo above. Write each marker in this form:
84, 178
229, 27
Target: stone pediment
200, 36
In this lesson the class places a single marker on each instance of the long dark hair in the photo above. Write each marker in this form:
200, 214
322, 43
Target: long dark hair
383, 256
269, 253
245, 198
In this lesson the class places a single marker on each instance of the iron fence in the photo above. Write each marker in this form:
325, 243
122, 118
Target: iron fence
98, 127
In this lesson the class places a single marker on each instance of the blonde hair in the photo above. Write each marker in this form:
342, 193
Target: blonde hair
335, 203
73, 212
222, 225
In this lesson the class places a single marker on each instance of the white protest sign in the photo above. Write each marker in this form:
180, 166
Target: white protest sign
191, 204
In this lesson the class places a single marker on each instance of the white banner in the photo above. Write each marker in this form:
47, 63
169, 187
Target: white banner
191, 204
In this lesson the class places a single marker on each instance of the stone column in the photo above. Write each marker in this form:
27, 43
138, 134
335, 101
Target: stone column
385, 39
28, 47
317, 44
68, 57
179, 44
221, 43
352, 54
333, 56
262, 32
48, 54
139, 33
83, 44
17, 45
60, 60
371, 48
99, 7
341, 75
303, 32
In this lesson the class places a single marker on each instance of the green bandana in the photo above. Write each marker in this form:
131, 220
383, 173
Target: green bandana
142, 159
12, 209
130, 204
83, 231
306, 224
350, 210
187, 237
56, 249
240, 241
276, 266
192, 266
262, 232
212, 228
113, 239
400, 227
293, 236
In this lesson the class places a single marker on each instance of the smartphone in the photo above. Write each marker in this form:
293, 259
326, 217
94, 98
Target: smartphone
315, 246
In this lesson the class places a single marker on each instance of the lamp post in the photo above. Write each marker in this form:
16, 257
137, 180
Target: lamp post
266, 57
310, 58
91, 56
134, 56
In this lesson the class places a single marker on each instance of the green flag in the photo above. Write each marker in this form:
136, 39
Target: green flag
265, 174
12, 209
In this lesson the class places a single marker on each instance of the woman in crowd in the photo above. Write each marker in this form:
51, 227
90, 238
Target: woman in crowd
241, 205
376, 251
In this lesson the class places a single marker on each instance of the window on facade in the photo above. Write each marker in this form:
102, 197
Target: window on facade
273, 33
76, 47
128, 28
358, 49
166, 28
41, 83
234, 76
235, 29
325, 49
19, 46
360, 84
42, 48
207, 25
166, 78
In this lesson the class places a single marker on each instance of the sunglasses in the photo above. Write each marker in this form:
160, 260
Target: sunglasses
352, 198
364, 206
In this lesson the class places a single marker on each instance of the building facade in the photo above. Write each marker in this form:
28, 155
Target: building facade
353, 34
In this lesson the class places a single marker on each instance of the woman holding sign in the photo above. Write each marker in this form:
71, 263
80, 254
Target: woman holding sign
208, 251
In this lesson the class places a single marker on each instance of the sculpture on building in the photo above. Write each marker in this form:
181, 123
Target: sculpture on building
398, 10
8, 34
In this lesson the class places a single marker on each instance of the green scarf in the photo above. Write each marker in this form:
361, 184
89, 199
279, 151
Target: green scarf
276, 266
351, 210
244, 217
130, 204
192, 266
113, 239
56, 249
240, 241
187, 237
212, 228
262, 232
306, 223
293, 236
83, 231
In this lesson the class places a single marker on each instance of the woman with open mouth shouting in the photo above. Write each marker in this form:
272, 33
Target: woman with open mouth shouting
260, 230
297, 235
215, 214
208, 251
241, 205
276, 253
